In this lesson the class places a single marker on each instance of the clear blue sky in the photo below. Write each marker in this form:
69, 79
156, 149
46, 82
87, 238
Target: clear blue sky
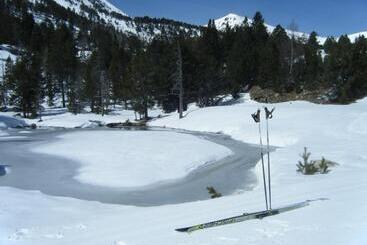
327, 17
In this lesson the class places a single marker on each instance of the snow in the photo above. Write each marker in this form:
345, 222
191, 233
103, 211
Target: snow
128, 26
7, 122
334, 131
231, 19
69, 120
133, 158
11, 122
354, 36
4, 55
59, 117
121, 25
2, 133
76, 4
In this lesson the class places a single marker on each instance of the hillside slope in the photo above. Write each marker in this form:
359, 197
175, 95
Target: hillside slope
102, 11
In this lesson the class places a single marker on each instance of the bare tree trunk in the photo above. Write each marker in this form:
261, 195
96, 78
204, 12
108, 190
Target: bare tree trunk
293, 28
292, 56
105, 92
146, 109
180, 80
62, 83
92, 106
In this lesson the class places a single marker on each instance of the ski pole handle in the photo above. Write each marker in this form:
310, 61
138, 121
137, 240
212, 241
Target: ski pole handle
256, 116
269, 113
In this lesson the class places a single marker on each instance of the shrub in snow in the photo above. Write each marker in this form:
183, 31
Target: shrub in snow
323, 166
305, 166
213, 193
308, 167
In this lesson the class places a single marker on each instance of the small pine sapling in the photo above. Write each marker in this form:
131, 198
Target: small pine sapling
324, 167
306, 167
213, 193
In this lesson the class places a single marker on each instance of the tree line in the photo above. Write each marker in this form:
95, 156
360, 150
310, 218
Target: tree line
85, 63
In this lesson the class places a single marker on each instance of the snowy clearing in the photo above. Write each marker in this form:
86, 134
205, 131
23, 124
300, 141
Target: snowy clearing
59, 117
333, 131
133, 158
69, 120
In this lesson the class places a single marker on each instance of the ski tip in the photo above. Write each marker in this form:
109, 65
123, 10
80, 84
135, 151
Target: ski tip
182, 229
318, 199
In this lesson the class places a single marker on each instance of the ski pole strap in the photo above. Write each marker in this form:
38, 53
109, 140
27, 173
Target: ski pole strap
269, 114
256, 116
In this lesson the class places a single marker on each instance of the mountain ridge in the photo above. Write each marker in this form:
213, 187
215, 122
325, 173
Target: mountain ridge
121, 21
146, 28
234, 20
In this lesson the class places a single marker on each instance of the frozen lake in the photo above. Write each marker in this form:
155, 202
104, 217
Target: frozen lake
54, 175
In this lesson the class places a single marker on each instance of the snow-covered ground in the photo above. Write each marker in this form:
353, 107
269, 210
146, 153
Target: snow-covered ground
11, 122
334, 131
133, 158
59, 117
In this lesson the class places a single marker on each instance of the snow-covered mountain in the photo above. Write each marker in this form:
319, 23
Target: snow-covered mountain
354, 36
103, 11
100, 10
147, 28
233, 20
102, 7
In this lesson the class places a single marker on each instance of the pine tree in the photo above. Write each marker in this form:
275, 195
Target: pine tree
90, 81
260, 37
293, 28
140, 75
357, 85
26, 84
26, 28
260, 32
116, 72
306, 166
275, 64
313, 62
211, 65
163, 55
241, 70
331, 60
63, 51
338, 65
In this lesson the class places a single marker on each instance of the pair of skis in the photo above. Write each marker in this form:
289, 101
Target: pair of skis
244, 217
267, 186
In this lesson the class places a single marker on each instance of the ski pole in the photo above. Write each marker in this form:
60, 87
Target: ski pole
256, 117
269, 115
